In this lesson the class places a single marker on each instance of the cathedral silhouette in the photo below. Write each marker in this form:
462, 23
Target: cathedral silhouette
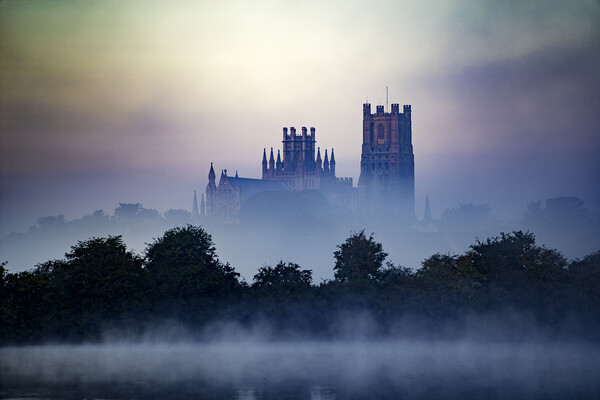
386, 184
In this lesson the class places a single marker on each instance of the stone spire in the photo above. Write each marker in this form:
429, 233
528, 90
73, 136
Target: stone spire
264, 162
332, 163
271, 161
278, 163
211, 174
202, 207
211, 187
195, 207
326, 162
427, 213
319, 161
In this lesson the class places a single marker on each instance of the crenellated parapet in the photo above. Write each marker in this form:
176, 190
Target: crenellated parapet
344, 181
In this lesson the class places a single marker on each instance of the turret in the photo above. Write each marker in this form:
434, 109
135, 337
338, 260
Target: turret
407, 112
211, 188
211, 175
319, 161
326, 162
202, 207
366, 110
195, 206
427, 213
278, 165
332, 164
380, 110
264, 162
313, 133
271, 161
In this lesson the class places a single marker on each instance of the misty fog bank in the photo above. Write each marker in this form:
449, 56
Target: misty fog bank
350, 369
309, 234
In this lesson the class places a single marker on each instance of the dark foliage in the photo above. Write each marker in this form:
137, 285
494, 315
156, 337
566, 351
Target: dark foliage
187, 278
100, 287
283, 279
358, 259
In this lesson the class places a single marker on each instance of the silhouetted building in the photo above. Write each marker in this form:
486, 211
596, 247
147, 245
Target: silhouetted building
298, 170
387, 174
387, 167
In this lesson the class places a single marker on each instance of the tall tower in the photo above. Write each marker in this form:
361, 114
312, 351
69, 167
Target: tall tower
387, 165
211, 190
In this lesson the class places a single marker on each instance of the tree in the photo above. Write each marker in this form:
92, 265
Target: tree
185, 270
178, 216
98, 283
285, 278
468, 217
128, 211
24, 306
358, 259
585, 277
51, 221
101, 277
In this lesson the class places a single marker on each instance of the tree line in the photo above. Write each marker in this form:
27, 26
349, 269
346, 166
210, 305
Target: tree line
101, 286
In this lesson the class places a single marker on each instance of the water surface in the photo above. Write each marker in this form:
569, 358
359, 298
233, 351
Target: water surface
406, 369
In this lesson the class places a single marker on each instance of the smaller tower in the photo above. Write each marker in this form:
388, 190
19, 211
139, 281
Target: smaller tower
278, 166
332, 164
211, 189
195, 213
427, 213
319, 161
264, 163
211, 175
202, 208
326, 163
271, 162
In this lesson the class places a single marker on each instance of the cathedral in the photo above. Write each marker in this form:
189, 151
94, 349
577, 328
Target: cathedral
385, 187
298, 170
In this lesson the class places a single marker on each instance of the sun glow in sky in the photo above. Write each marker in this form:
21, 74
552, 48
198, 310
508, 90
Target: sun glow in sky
114, 101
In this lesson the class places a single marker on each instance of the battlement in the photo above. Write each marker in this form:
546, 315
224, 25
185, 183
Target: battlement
380, 110
292, 133
344, 181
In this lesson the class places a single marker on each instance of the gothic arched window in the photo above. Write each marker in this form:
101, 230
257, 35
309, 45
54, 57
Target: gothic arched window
380, 134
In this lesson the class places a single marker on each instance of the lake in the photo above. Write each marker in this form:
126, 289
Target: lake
360, 369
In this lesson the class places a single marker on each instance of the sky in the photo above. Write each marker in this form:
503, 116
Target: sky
108, 102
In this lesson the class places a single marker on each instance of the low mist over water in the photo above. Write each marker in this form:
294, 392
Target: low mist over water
304, 369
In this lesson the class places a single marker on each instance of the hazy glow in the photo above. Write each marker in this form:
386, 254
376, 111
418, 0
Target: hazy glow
140, 95
420, 369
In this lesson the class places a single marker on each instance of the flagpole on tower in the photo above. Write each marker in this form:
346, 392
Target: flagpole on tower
386, 100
